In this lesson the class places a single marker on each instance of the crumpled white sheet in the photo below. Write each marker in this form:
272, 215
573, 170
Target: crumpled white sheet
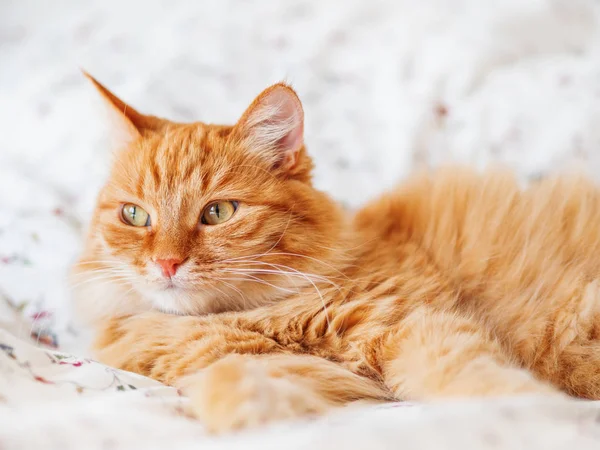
387, 86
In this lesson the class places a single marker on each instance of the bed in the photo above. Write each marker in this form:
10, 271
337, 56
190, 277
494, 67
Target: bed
387, 87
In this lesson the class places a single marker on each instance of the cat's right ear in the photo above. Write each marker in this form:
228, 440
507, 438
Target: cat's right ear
128, 124
273, 126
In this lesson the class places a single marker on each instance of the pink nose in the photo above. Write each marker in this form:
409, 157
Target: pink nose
169, 266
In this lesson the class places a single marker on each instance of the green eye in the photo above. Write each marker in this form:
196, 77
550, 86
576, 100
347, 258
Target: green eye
135, 216
218, 212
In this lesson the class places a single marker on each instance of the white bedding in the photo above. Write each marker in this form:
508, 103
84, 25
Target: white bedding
52, 400
387, 86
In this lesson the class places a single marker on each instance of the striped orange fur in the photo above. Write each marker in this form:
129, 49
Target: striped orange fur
455, 284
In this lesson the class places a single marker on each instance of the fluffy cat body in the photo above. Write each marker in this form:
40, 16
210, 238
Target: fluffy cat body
455, 284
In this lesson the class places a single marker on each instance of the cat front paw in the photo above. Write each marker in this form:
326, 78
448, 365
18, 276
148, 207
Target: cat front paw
240, 392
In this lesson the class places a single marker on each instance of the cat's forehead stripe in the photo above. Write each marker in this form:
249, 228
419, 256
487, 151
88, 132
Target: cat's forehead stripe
141, 184
155, 172
175, 169
175, 159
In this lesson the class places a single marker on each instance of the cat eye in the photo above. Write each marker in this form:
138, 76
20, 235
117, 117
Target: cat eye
135, 216
218, 212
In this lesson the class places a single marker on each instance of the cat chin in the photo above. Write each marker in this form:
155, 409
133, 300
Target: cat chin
181, 302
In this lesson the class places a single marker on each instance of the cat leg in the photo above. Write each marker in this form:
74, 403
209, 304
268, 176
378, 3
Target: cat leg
576, 369
242, 391
434, 355
570, 354
235, 378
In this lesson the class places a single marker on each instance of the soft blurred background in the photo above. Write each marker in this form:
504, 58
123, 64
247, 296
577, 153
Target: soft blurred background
387, 86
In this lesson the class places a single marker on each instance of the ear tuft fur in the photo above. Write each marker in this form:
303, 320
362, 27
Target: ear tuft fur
273, 126
130, 124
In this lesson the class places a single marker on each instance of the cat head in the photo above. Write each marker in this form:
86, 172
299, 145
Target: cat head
198, 218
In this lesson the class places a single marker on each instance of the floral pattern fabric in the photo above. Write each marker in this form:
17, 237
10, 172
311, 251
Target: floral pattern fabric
59, 375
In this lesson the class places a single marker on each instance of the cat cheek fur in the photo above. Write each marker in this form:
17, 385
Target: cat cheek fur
284, 229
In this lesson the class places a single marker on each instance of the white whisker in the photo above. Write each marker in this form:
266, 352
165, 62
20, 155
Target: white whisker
260, 280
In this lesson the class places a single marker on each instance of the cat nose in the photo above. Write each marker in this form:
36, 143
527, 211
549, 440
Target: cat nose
169, 266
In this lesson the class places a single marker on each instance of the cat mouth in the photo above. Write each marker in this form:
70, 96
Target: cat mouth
172, 286
165, 285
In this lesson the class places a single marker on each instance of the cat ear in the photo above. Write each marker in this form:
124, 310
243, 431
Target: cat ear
273, 126
130, 124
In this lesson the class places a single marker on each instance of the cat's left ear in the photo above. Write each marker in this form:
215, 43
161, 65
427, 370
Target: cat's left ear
273, 126
129, 124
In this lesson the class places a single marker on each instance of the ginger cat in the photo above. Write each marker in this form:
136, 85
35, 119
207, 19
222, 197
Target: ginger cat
456, 284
